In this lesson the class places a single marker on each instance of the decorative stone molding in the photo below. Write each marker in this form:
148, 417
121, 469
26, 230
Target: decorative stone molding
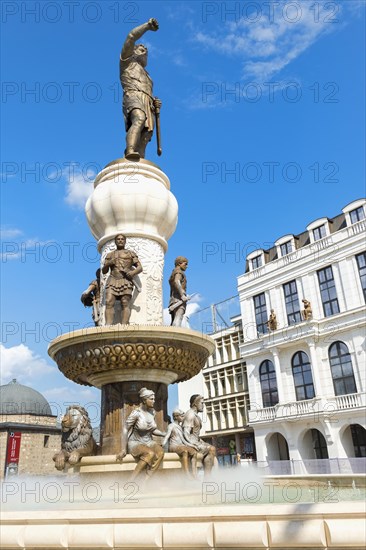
132, 198
101, 355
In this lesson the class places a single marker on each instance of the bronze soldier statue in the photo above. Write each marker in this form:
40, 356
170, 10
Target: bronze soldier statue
120, 282
139, 104
178, 287
91, 298
307, 312
272, 321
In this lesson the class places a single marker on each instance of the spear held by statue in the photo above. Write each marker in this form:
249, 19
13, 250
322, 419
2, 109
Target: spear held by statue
157, 105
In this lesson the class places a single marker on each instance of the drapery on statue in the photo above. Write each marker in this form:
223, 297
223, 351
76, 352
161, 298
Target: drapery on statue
178, 287
137, 439
91, 298
307, 312
177, 444
192, 425
139, 104
120, 282
272, 321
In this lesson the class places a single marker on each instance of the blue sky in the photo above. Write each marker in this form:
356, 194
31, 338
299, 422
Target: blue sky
262, 127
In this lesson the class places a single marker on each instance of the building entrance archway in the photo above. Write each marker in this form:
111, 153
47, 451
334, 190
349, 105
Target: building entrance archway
277, 447
354, 441
314, 445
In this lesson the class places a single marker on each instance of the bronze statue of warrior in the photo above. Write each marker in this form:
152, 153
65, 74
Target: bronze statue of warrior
272, 321
307, 312
120, 282
139, 104
178, 291
91, 298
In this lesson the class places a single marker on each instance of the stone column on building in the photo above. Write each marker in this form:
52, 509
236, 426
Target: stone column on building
314, 368
277, 365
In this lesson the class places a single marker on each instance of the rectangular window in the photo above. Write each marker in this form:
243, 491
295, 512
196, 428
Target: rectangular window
292, 303
319, 232
286, 248
361, 262
256, 262
328, 291
261, 315
357, 214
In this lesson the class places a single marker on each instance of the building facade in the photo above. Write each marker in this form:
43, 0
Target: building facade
303, 309
29, 436
224, 385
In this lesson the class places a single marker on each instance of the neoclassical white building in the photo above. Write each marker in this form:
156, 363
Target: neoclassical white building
306, 377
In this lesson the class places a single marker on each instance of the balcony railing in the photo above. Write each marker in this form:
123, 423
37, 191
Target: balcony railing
358, 227
311, 407
350, 401
311, 248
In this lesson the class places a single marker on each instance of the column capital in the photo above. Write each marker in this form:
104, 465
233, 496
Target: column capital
310, 342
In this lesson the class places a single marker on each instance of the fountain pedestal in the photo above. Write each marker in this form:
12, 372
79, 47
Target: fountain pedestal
121, 359
133, 199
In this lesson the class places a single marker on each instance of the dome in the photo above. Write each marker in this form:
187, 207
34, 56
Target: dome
18, 399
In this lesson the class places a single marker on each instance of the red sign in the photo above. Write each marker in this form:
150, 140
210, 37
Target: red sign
13, 452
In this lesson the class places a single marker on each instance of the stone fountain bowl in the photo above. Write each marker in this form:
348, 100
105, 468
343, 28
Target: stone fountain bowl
101, 355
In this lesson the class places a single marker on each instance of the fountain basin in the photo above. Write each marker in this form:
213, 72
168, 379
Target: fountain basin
119, 353
319, 526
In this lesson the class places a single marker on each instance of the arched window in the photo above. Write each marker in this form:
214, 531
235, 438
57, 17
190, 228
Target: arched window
319, 444
303, 378
267, 375
341, 368
358, 440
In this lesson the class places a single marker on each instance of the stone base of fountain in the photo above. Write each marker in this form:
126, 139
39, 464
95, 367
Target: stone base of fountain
107, 464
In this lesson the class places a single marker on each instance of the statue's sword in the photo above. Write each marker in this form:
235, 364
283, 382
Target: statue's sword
175, 306
158, 135
135, 283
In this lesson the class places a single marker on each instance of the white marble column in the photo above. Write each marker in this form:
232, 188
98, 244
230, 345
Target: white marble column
314, 368
277, 365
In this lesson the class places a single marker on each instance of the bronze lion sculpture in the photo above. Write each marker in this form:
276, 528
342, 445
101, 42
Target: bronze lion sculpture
77, 439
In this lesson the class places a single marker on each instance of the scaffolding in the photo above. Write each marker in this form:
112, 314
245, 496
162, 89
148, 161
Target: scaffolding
216, 317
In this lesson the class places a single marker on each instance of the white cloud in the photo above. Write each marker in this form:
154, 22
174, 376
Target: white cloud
268, 44
192, 306
22, 363
79, 187
61, 397
69, 393
79, 183
10, 232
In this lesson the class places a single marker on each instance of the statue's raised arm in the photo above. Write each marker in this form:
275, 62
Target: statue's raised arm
135, 34
139, 104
